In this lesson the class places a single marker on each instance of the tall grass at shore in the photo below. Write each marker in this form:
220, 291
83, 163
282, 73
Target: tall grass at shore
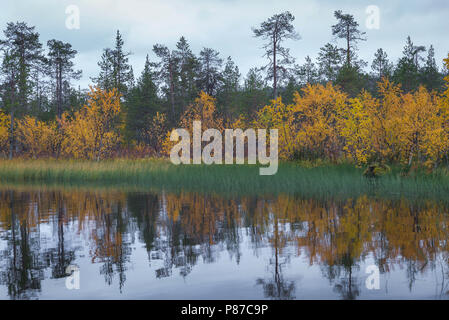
152, 174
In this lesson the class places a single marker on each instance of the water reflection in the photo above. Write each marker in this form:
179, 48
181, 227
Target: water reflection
149, 245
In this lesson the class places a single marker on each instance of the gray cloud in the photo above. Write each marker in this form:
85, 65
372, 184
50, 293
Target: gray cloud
225, 25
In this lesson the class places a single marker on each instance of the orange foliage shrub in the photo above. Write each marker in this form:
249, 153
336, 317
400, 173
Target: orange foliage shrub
93, 132
316, 114
156, 131
204, 110
279, 116
37, 137
4, 132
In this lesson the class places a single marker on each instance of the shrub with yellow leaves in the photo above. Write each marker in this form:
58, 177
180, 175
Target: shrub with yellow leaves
4, 133
204, 110
279, 116
355, 125
156, 131
418, 128
37, 137
93, 132
316, 114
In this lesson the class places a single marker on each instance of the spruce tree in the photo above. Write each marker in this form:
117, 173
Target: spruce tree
188, 67
381, 66
210, 71
167, 75
143, 104
329, 62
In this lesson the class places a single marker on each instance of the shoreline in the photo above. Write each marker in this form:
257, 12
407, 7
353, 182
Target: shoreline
316, 180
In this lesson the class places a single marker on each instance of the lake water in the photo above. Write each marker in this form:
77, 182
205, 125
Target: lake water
145, 245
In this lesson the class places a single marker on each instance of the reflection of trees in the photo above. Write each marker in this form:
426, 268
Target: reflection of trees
347, 286
442, 287
179, 230
21, 269
60, 257
112, 245
277, 287
193, 226
144, 208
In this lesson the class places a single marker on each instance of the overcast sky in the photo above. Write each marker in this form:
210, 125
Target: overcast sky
225, 25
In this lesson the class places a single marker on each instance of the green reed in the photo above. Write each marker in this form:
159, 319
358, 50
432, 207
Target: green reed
324, 180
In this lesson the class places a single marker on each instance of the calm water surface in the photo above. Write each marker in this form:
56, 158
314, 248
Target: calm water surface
129, 245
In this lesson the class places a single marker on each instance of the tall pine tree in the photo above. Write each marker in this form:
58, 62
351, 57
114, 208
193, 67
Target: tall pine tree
60, 56
22, 51
275, 30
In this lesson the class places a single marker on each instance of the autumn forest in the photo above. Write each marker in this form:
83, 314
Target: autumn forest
334, 108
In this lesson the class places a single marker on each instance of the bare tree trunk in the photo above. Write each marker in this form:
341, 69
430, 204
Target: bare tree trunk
348, 54
275, 93
97, 158
59, 91
59, 102
11, 124
11, 132
172, 91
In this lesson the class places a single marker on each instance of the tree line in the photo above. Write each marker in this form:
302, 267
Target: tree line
43, 114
